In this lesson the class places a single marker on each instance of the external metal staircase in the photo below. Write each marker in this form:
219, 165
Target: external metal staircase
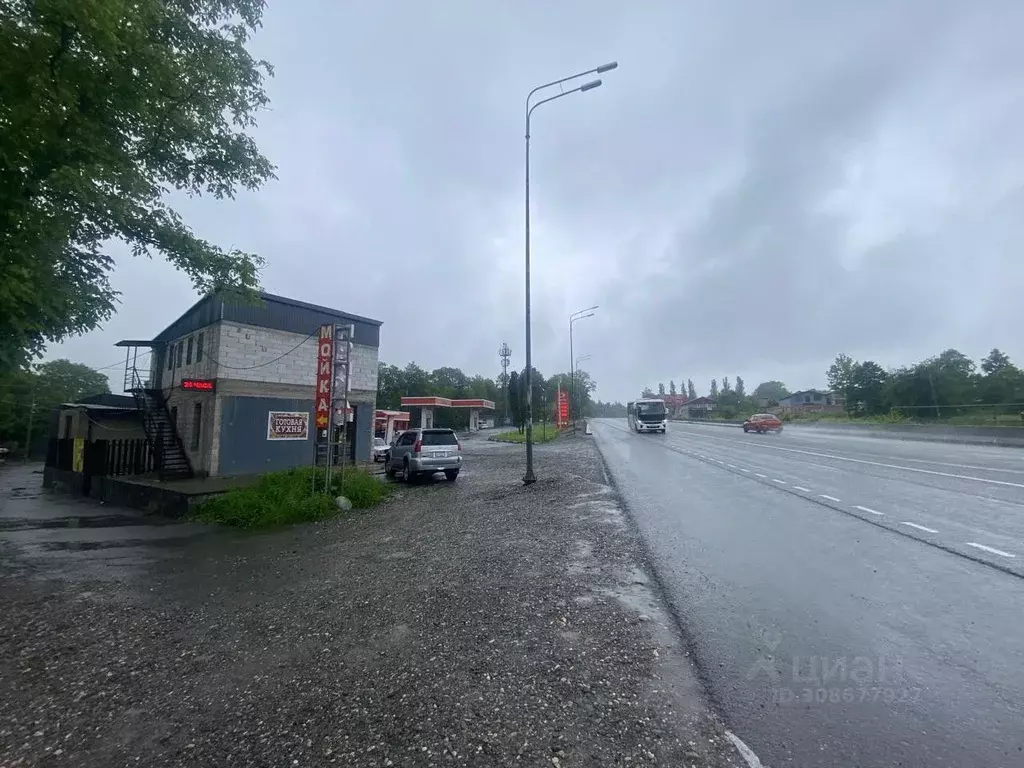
171, 457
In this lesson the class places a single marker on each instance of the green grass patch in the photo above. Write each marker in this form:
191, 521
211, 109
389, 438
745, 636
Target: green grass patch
292, 496
543, 434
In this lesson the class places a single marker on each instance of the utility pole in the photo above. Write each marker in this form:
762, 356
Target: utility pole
505, 354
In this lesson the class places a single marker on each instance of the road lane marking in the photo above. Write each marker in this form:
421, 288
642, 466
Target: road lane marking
830, 498
869, 510
873, 463
745, 470
801, 488
776, 480
760, 475
919, 527
993, 550
731, 466
745, 752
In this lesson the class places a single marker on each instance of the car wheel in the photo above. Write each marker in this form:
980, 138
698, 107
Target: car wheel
388, 469
451, 474
407, 472
745, 430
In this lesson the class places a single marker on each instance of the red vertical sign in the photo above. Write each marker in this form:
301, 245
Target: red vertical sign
563, 408
324, 376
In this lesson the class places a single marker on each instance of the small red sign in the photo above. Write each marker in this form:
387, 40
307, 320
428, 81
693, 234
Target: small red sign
199, 385
324, 375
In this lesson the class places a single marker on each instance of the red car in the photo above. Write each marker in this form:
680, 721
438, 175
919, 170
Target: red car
763, 422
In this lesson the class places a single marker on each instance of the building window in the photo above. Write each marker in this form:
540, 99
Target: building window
181, 351
170, 357
199, 347
188, 354
197, 420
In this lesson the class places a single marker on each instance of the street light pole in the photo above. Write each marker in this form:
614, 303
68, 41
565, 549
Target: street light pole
579, 315
530, 478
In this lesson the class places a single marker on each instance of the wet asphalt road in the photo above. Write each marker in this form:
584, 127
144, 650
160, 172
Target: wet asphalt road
851, 601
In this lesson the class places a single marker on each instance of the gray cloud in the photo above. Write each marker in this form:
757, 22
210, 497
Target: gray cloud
756, 188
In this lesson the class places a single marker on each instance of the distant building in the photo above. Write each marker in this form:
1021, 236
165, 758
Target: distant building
808, 400
699, 407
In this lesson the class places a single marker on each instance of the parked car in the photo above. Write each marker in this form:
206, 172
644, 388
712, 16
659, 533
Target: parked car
763, 422
422, 452
379, 449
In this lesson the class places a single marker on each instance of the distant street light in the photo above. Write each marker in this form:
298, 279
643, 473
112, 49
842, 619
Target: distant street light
530, 477
579, 315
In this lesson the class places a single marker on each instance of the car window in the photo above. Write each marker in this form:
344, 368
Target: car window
378, 441
408, 438
445, 437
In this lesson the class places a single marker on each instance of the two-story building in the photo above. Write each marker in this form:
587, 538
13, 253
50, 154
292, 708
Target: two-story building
238, 380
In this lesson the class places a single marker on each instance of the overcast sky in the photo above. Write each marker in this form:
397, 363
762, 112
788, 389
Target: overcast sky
756, 188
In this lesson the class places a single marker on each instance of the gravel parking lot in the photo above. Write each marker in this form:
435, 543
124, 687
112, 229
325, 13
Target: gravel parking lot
471, 623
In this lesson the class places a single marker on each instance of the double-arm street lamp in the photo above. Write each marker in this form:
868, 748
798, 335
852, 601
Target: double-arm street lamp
579, 315
530, 477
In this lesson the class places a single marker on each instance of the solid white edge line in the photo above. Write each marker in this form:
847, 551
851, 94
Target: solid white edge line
993, 550
801, 488
745, 752
830, 498
919, 527
868, 509
760, 475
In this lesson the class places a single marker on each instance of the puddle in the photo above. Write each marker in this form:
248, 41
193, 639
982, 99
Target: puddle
82, 521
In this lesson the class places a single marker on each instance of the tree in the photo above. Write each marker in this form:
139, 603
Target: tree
672, 387
647, 392
661, 389
770, 391
995, 362
691, 391
26, 395
725, 384
106, 107
867, 388
714, 388
741, 390
515, 400
840, 377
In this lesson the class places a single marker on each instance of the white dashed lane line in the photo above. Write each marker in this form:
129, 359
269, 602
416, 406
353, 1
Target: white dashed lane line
869, 510
861, 508
991, 550
919, 527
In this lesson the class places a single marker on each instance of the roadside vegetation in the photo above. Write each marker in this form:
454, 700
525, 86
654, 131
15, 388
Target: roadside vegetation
544, 433
948, 388
292, 496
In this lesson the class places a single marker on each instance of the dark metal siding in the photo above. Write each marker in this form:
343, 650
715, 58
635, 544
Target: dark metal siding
244, 448
203, 313
297, 317
275, 312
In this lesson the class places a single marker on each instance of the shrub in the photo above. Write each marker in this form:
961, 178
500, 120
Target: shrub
292, 496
